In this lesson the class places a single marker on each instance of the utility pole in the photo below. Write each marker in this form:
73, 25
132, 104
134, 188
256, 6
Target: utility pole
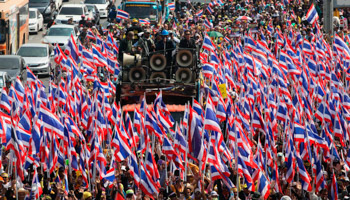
328, 18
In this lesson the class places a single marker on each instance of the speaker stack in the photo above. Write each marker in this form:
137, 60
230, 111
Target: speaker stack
185, 62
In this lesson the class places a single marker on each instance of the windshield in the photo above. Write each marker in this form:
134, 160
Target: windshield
95, 1
39, 1
71, 11
9, 63
60, 31
2, 31
90, 8
32, 14
32, 52
140, 10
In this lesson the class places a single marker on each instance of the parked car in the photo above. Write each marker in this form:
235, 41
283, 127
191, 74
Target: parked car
36, 20
46, 7
94, 10
14, 65
60, 34
73, 11
37, 57
102, 6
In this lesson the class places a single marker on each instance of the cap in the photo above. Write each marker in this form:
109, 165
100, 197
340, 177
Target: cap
82, 16
214, 194
86, 195
130, 191
197, 190
135, 20
4, 175
123, 168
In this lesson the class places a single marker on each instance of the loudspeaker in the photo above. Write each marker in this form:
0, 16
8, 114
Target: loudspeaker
137, 74
157, 77
158, 62
183, 75
132, 60
184, 58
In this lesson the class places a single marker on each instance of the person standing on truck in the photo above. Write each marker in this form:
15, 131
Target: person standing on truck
187, 41
166, 45
126, 45
135, 28
145, 43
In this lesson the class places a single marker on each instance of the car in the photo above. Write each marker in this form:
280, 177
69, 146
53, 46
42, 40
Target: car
92, 8
60, 33
46, 7
5, 79
102, 6
36, 20
37, 57
74, 11
14, 65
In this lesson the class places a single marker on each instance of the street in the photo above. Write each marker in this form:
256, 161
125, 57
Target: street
36, 38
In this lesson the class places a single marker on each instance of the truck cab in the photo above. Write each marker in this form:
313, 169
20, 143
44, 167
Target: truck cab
142, 9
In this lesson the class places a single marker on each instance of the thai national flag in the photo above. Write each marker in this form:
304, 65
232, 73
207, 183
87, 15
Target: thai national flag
171, 6
199, 13
207, 23
227, 39
334, 187
72, 48
208, 44
36, 186
134, 169
210, 10
144, 21
122, 14
4, 101
312, 15
90, 34
51, 122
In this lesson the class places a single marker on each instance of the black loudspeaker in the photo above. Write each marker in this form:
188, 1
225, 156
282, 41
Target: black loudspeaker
183, 75
158, 77
137, 74
184, 58
158, 62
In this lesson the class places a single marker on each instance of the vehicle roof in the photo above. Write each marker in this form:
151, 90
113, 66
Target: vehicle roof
73, 5
62, 26
35, 45
10, 56
33, 9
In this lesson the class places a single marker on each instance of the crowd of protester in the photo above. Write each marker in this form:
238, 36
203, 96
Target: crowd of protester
184, 28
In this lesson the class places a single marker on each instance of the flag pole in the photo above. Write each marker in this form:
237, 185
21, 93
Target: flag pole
236, 160
16, 177
187, 149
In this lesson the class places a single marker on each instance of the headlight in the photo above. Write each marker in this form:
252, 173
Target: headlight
45, 63
48, 10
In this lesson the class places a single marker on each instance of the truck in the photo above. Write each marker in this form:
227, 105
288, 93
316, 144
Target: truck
142, 9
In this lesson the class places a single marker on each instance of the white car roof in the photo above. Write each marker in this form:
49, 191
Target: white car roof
62, 26
35, 45
73, 5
